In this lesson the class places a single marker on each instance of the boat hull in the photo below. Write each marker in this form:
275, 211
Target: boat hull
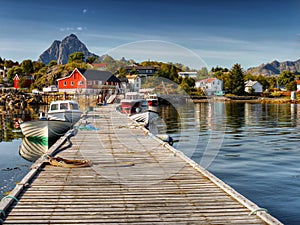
49, 129
65, 115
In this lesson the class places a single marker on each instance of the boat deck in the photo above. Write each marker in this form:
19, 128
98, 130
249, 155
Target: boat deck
134, 179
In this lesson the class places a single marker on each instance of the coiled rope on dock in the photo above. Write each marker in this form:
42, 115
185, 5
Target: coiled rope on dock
68, 163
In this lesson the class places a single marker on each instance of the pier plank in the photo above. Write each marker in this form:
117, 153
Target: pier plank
134, 179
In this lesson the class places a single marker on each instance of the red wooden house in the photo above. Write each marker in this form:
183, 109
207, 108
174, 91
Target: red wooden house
88, 81
27, 82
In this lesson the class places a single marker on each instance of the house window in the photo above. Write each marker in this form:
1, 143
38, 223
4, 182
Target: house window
95, 82
72, 83
90, 82
99, 82
65, 83
80, 82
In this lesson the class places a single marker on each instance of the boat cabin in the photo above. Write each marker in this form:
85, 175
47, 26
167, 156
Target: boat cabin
64, 105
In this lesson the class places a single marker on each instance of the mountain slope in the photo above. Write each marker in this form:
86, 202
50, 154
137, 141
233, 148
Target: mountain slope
60, 50
276, 68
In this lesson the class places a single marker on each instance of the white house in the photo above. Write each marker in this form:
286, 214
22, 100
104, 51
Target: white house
253, 87
135, 82
210, 86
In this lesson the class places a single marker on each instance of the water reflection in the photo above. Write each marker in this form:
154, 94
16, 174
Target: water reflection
258, 156
33, 148
9, 127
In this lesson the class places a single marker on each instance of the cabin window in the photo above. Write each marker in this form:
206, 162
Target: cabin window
72, 83
65, 83
74, 106
80, 82
54, 107
64, 106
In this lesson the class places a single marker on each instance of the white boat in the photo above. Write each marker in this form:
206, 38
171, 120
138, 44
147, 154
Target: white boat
48, 129
133, 103
145, 117
67, 110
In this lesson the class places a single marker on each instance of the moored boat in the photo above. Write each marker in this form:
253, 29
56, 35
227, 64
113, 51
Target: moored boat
67, 110
133, 103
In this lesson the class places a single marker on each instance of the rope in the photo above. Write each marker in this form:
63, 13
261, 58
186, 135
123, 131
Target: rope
68, 163
9, 196
257, 210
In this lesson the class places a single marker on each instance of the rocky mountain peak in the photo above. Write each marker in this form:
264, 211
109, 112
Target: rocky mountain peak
60, 50
275, 68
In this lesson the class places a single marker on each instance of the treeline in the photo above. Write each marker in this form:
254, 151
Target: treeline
233, 79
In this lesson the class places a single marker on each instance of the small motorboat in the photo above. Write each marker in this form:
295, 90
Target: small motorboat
62, 115
133, 103
67, 110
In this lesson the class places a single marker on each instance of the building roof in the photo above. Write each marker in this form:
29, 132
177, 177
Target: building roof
251, 83
99, 64
131, 76
99, 75
208, 80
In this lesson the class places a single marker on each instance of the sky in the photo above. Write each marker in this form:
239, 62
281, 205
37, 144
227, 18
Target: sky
194, 33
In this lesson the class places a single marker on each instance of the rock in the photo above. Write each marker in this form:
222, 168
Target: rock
60, 50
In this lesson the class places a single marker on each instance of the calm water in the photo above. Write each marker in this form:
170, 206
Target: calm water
252, 147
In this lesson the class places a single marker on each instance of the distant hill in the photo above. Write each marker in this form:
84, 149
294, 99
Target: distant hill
275, 68
60, 50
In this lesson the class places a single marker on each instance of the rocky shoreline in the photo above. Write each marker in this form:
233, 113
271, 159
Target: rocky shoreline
15, 99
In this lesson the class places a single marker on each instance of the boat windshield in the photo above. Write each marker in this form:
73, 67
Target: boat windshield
54, 107
74, 106
63, 105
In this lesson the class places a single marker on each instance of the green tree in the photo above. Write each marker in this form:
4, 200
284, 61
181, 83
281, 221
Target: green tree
8, 63
236, 83
272, 81
27, 66
76, 57
91, 59
291, 86
286, 78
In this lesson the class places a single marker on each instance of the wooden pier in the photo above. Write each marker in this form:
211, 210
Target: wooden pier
134, 179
